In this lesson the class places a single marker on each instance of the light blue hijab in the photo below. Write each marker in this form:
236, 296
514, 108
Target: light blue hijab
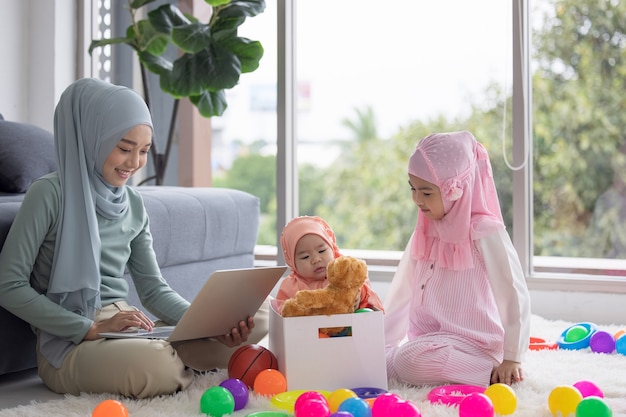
89, 121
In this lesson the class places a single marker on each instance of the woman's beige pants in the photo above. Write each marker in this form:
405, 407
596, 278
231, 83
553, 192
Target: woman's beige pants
139, 368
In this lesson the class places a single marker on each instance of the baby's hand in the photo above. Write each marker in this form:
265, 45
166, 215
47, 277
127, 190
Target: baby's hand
507, 372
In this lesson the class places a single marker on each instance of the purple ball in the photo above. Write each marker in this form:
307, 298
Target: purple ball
602, 342
239, 390
341, 414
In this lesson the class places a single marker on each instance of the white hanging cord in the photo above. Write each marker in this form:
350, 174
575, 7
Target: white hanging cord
523, 57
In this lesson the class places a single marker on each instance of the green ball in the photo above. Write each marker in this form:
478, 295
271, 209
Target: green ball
576, 333
364, 310
593, 407
217, 402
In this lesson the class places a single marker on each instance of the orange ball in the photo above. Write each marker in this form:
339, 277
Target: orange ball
270, 382
110, 408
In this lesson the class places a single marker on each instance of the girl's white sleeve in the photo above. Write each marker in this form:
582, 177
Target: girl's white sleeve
398, 299
510, 291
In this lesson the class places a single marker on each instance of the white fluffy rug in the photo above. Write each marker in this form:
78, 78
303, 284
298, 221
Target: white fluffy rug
544, 371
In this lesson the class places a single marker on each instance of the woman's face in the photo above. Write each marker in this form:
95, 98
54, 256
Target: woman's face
129, 155
427, 197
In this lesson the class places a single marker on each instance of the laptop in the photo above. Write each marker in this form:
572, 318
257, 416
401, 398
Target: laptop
226, 298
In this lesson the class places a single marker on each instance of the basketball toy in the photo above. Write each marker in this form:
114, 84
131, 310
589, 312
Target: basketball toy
247, 361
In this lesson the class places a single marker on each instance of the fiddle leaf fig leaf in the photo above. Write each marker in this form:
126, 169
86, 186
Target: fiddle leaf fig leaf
155, 63
210, 103
191, 38
167, 17
140, 3
112, 41
248, 52
246, 8
147, 38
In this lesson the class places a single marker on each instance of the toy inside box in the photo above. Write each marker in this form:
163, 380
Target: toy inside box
311, 360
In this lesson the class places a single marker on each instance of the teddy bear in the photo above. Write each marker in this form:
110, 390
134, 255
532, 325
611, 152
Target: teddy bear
346, 275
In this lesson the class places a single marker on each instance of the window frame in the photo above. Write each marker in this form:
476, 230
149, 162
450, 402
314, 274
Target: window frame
542, 273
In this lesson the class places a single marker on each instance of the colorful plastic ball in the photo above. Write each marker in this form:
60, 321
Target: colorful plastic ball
564, 399
620, 345
384, 403
110, 408
619, 333
364, 310
217, 402
404, 408
476, 404
588, 389
307, 396
602, 342
239, 390
268, 414
358, 407
338, 396
593, 407
341, 414
312, 408
503, 398
270, 382
576, 333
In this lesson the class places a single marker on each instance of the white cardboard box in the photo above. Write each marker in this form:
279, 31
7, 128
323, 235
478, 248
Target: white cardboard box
309, 362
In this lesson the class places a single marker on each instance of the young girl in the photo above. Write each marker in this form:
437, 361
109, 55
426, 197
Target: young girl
78, 229
458, 309
309, 245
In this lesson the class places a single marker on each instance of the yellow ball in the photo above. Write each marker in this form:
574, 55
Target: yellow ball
503, 398
338, 396
564, 399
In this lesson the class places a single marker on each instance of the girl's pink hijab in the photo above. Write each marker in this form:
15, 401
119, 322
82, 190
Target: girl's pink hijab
459, 165
305, 225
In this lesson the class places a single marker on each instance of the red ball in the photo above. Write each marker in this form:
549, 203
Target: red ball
247, 361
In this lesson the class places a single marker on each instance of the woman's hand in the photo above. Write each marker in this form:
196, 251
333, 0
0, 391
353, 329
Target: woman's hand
239, 335
507, 372
122, 320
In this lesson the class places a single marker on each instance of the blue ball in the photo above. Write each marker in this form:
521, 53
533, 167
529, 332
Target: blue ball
358, 407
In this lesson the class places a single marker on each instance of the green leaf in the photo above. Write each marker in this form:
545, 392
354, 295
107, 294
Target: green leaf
248, 52
215, 3
185, 78
167, 17
155, 63
102, 42
210, 103
148, 39
135, 4
191, 38
226, 27
218, 66
246, 8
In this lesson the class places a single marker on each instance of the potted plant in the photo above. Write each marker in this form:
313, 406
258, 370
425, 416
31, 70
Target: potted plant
212, 56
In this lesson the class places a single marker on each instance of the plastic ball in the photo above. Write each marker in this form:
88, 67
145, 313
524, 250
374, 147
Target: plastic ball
588, 389
312, 408
620, 345
503, 398
619, 333
476, 404
110, 408
247, 361
384, 404
270, 382
364, 310
309, 396
338, 396
602, 342
593, 407
564, 399
341, 414
268, 414
358, 407
217, 402
405, 408
239, 390
576, 333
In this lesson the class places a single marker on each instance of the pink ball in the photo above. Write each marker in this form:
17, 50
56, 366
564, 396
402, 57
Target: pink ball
312, 408
384, 403
405, 409
476, 405
588, 389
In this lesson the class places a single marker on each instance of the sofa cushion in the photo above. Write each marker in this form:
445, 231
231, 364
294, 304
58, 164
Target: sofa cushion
26, 153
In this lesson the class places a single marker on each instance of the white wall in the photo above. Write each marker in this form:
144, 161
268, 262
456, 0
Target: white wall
38, 51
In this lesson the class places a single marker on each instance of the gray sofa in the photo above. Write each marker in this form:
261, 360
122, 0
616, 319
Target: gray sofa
195, 230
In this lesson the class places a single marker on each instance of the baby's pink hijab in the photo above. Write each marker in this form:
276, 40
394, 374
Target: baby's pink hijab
305, 225
459, 165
